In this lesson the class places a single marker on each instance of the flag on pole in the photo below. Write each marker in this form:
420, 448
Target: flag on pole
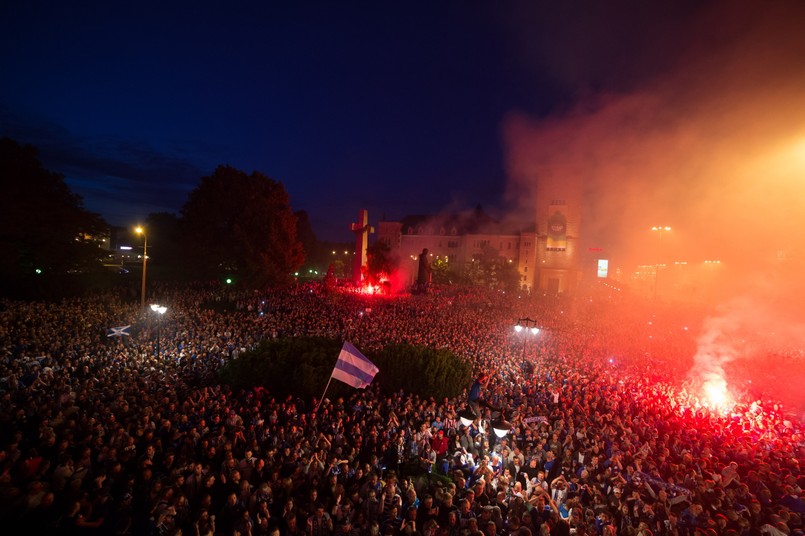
119, 331
353, 368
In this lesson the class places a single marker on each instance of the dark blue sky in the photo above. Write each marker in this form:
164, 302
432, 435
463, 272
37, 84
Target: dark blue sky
397, 108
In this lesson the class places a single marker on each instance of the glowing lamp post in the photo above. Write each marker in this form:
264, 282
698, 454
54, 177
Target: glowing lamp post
141, 231
501, 427
528, 326
466, 416
160, 310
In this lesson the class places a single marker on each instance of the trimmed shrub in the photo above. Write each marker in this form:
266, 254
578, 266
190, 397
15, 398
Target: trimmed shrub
301, 366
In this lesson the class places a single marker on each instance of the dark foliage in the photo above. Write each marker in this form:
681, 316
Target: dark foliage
238, 223
379, 260
302, 366
422, 370
44, 228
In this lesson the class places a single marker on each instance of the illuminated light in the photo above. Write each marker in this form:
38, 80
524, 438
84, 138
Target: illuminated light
534, 331
125, 248
501, 428
518, 328
296, 274
228, 280
717, 396
38, 270
466, 417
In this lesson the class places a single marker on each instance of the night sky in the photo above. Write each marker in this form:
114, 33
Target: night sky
399, 108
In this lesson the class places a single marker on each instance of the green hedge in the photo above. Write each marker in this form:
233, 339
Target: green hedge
301, 367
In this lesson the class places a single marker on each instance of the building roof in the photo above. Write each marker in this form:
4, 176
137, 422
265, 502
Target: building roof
474, 221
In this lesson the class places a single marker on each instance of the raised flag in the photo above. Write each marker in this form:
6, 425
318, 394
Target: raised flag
119, 331
353, 368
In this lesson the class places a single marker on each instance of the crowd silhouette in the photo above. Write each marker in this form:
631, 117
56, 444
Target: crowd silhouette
107, 435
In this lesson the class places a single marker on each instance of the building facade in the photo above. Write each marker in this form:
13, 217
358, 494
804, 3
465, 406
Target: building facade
545, 252
558, 248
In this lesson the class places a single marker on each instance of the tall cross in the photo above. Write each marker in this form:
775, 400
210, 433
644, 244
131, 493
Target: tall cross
361, 230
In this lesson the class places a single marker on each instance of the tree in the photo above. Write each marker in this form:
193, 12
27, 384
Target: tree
165, 245
305, 234
43, 225
379, 260
443, 273
489, 269
239, 223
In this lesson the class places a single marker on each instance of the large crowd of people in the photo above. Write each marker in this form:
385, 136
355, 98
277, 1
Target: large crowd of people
134, 434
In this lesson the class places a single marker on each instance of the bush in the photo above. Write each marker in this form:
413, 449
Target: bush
301, 366
422, 370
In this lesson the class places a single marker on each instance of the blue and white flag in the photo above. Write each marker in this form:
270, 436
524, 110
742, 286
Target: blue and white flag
119, 331
353, 368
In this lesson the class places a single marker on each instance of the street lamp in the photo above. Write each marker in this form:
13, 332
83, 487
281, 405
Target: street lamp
466, 416
660, 230
141, 231
160, 310
501, 427
530, 326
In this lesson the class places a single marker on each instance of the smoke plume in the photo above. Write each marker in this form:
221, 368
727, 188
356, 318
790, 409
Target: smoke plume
710, 141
